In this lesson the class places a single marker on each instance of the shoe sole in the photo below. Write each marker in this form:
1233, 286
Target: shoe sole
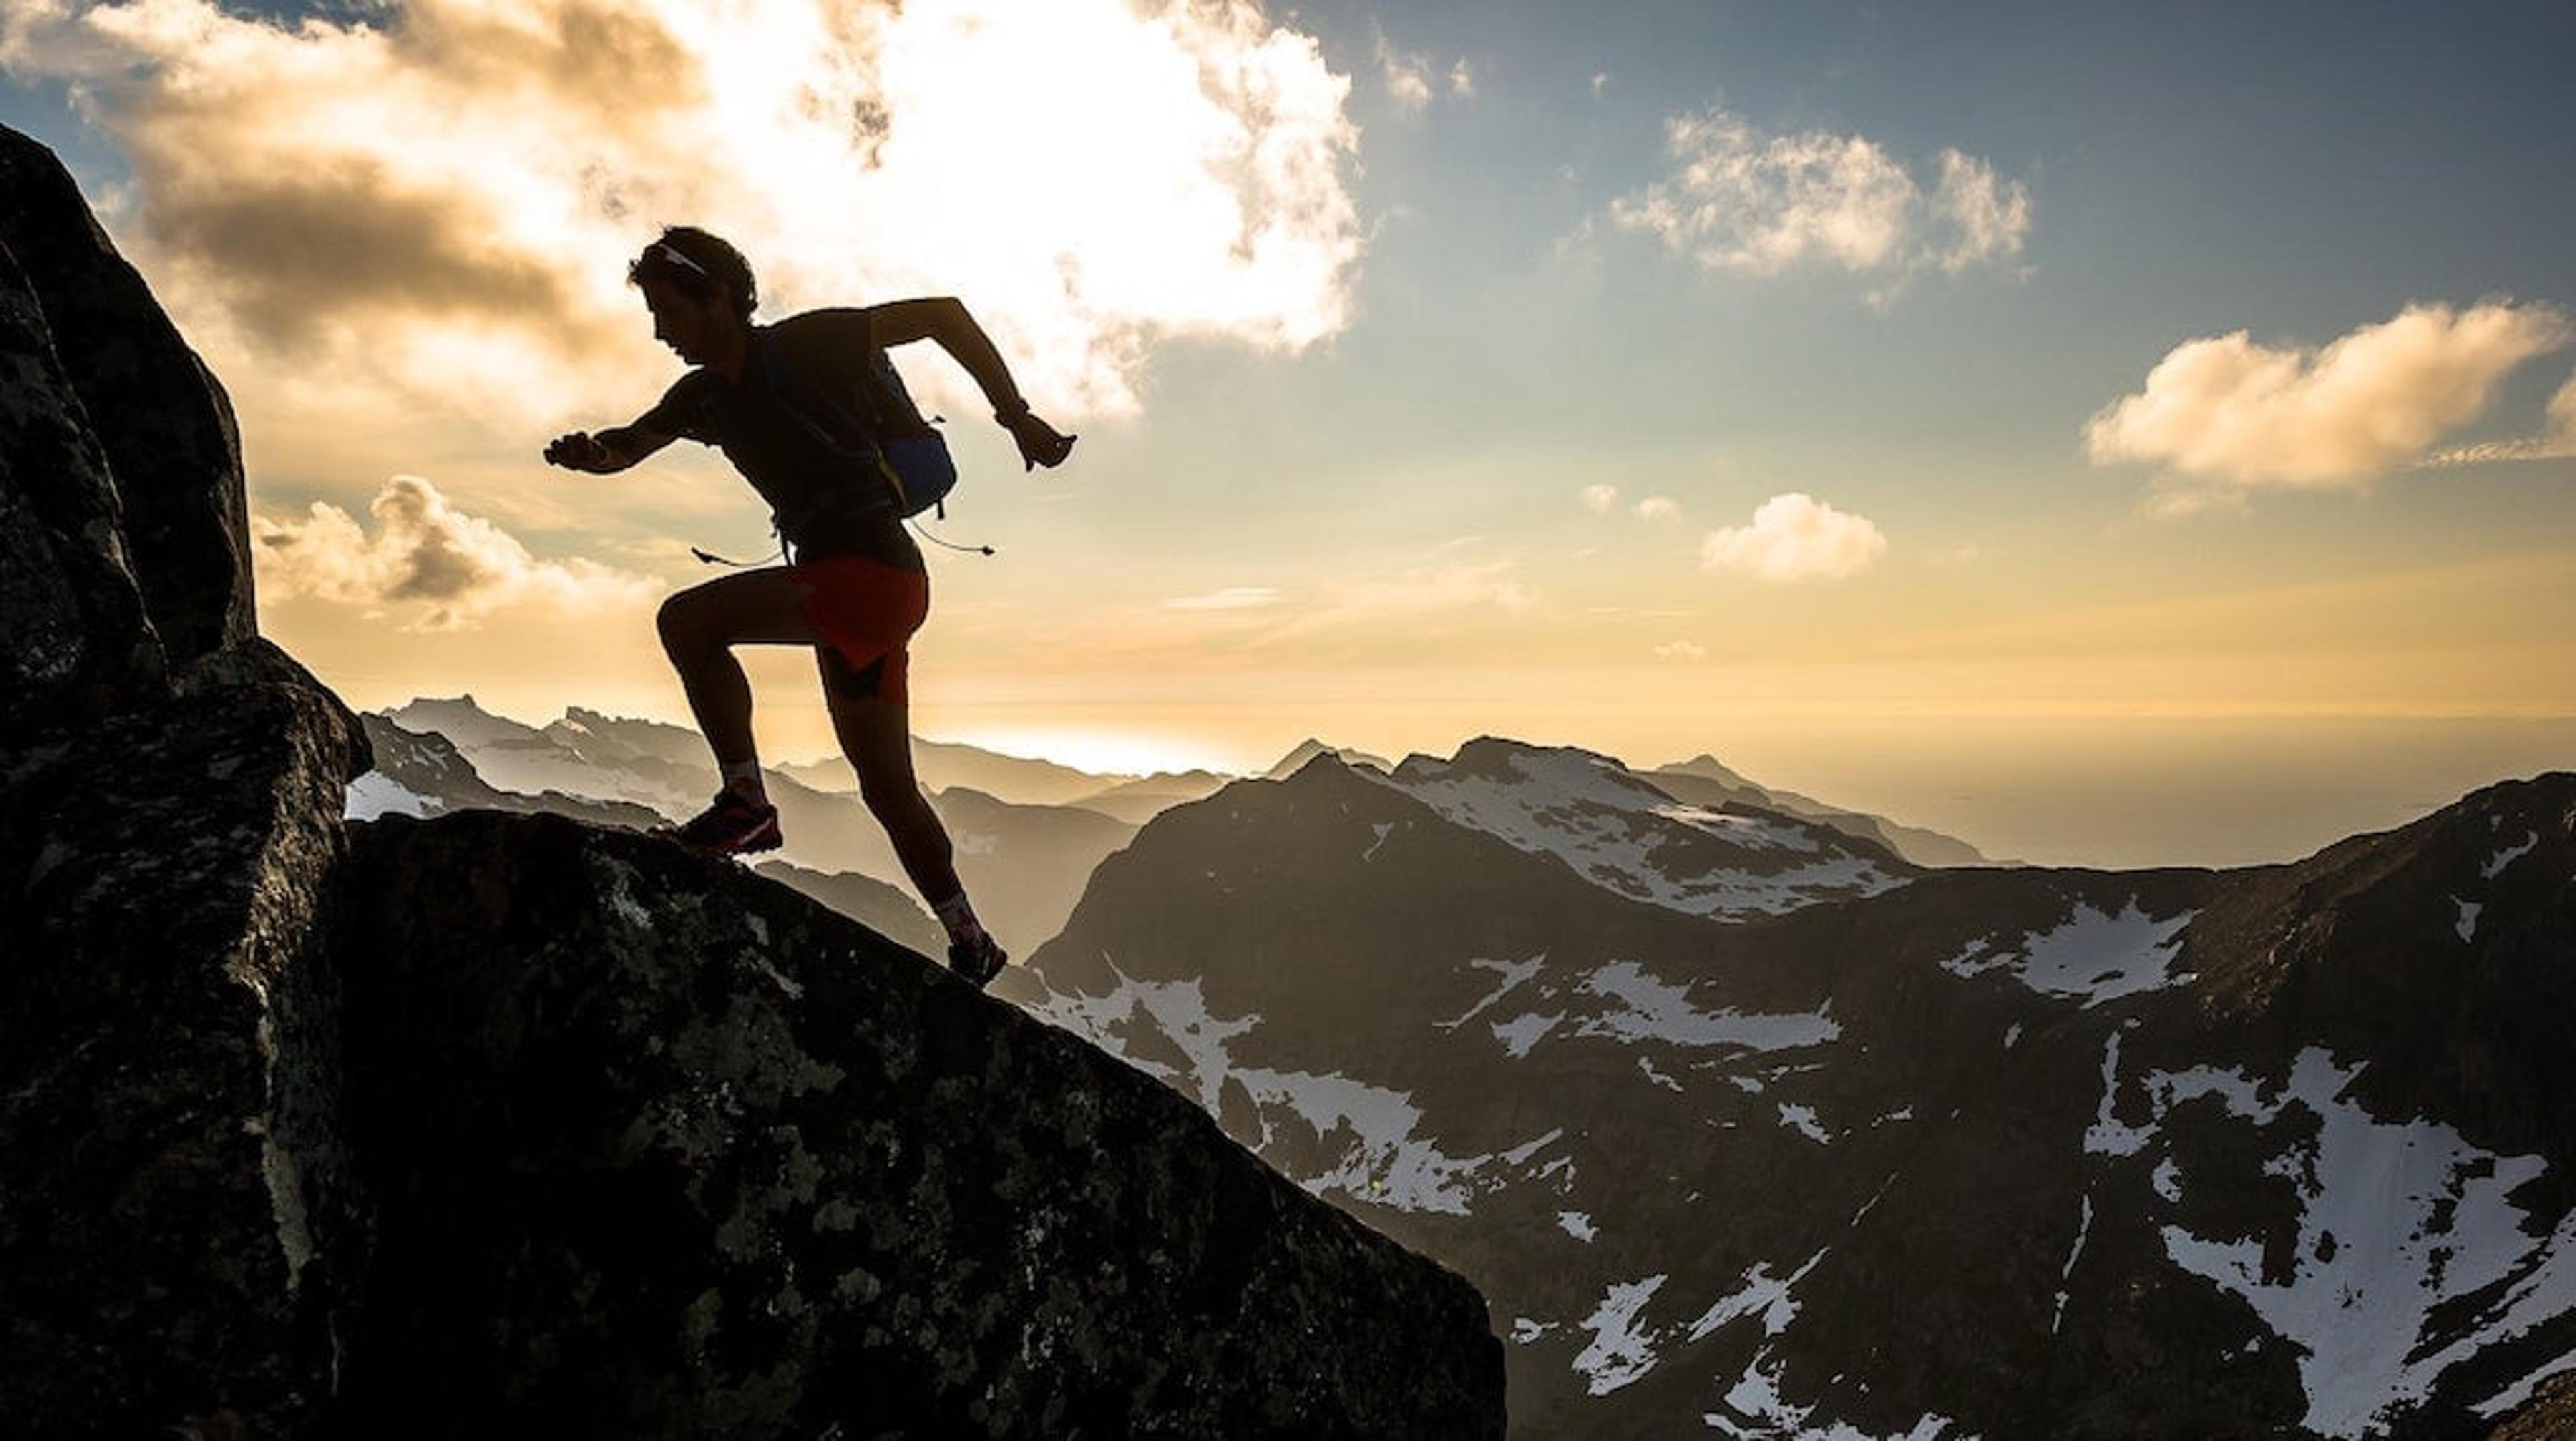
767, 838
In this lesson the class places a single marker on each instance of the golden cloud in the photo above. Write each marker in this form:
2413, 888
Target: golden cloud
447, 569
2228, 414
443, 193
1795, 537
1748, 202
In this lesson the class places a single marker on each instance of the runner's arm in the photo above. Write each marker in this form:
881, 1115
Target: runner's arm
945, 320
606, 452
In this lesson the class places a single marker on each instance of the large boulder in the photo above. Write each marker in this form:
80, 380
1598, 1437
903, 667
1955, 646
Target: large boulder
161, 419
170, 1173
662, 1148
77, 644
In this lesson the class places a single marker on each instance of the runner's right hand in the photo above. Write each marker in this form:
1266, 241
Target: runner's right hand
579, 450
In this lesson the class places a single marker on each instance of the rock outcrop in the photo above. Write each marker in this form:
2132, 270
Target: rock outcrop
659, 1147
119, 445
167, 1060
504, 1125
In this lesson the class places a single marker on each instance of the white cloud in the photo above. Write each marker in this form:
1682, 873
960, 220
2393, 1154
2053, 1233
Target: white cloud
1747, 202
1600, 497
1681, 650
1795, 537
2226, 413
448, 569
2556, 441
1659, 507
1239, 597
1428, 590
1985, 218
1409, 76
445, 192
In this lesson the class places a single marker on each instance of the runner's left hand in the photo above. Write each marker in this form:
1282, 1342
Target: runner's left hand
1039, 442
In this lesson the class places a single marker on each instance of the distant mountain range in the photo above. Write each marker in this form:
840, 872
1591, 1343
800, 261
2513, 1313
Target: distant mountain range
1029, 833
1025, 864
1747, 1127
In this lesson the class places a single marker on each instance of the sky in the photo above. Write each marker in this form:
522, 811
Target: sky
2115, 434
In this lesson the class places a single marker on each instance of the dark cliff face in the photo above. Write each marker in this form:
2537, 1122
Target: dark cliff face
496, 1125
170, 1167
167, 1072
660, 1147
98, 369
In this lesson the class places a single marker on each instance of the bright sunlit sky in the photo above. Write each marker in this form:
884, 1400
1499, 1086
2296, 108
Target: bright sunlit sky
2116, 434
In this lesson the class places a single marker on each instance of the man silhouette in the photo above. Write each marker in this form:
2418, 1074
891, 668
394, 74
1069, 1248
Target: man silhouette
813, 414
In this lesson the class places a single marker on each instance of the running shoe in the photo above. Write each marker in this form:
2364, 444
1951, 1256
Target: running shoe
731, 825
978, 961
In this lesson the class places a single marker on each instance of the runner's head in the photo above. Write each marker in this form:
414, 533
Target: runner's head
698, 265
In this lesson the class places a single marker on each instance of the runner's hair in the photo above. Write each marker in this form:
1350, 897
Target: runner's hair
697, 264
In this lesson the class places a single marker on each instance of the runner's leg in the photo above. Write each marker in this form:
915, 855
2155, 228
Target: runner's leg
701, 625
875, 733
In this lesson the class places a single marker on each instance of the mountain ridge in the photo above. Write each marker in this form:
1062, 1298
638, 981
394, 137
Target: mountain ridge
2116, 1131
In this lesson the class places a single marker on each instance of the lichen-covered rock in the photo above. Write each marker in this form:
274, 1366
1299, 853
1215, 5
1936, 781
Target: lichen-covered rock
76, 643
162, 420
171, 1189
659, 1148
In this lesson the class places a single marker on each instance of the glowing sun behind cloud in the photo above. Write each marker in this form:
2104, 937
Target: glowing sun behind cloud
437, 198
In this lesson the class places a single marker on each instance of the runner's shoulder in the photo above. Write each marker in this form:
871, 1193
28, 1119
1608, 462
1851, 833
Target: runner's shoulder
831, 325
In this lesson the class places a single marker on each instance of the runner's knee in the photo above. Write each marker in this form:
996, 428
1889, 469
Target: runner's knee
684, 631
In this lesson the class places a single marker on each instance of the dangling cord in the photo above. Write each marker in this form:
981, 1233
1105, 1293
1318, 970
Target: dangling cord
711, 558
925, 533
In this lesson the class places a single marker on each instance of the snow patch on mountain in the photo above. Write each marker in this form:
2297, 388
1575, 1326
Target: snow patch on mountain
1622, 834
2467, 925
1655, 1010
1802, 1119
2515, 1396
2066, 1273
2503, 858
1759, 1294
1621, 1351
2411, 1253
376, 794
2109, 1135
1381, 1158
1523, 1032
1513, 974
2091, 957
1756, 1407
531, 771
1761, 1413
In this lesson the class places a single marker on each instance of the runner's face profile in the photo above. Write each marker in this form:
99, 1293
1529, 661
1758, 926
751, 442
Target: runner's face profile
685, 323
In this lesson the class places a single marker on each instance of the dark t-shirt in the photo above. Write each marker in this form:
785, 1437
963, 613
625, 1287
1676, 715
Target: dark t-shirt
815, 402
